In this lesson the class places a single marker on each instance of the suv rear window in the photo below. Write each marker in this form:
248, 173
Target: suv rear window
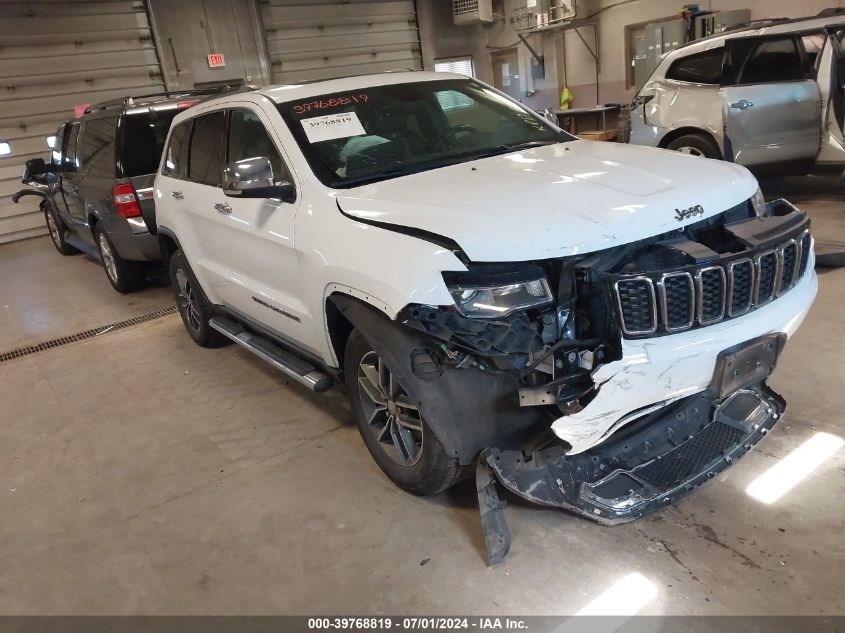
143, 139
96, 147
701, 68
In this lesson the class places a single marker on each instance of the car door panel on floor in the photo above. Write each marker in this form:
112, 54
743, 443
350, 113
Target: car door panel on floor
772, 108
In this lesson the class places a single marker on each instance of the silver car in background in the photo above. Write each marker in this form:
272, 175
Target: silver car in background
765, 97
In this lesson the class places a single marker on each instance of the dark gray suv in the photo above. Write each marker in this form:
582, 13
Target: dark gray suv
99, 196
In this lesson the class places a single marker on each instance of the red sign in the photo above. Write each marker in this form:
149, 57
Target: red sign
215, 60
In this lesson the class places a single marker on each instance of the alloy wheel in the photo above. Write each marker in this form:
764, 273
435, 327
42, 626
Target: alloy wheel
53, 228
108, 257
690, 151
392, 418
187, 300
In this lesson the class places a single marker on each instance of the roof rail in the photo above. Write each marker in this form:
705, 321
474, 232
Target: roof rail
123, 102
755, 24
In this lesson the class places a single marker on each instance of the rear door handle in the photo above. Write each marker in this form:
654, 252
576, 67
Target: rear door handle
742, 104
223, 207
177, 194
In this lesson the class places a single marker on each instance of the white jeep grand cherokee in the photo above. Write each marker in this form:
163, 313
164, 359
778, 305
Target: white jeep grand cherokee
590, 324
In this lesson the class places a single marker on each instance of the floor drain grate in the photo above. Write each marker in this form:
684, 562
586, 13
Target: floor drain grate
86, 334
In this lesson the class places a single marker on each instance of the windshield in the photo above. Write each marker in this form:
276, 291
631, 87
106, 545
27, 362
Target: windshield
144, 134
372, 134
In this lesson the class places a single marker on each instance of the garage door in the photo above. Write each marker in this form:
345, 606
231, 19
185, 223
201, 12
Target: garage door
53, 56
332, 38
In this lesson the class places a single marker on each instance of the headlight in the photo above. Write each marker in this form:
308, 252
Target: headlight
489, 301
759, 203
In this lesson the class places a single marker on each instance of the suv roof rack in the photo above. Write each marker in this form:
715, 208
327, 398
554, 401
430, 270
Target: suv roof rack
755, 24
123, 102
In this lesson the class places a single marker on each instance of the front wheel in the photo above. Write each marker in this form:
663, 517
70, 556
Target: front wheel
390, 423
123, 274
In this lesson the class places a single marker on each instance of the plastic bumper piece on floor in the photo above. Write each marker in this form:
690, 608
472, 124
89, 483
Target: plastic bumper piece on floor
650, 463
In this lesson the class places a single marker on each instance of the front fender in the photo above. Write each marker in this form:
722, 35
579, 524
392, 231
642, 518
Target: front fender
467, 409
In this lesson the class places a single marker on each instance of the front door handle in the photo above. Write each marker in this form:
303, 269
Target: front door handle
177, 194
223, 207
742, 104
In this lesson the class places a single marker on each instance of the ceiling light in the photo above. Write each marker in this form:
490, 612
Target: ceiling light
5, 149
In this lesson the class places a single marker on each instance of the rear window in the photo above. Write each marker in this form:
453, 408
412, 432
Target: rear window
143, 140
701, 68
96, 147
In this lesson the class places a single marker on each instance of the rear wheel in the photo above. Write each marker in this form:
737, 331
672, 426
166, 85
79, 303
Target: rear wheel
695, 145
390, 423
194, 307
123, 274
58, 231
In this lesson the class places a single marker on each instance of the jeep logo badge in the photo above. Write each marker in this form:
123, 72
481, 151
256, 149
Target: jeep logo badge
683, 214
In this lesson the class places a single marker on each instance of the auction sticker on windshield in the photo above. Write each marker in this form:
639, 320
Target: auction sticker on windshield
332, 126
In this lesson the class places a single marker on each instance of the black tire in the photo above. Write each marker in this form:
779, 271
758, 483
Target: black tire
194, 307
57, 230
695, 144
123, 274
434, 470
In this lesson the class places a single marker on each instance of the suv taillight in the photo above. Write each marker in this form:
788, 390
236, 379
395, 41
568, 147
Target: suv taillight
125, 201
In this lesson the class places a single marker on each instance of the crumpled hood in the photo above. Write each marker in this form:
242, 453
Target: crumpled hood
554, 201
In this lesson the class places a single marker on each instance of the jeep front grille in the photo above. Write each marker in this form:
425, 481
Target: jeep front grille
673, 301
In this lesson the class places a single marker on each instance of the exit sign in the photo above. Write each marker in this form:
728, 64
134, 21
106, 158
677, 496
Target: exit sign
215, 60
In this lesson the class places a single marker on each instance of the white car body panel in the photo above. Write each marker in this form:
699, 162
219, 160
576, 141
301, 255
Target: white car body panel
553, 201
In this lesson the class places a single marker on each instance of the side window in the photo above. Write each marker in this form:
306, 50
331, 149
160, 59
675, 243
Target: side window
176, 157
96, 149
701, 68
56, 153
249, 138
70, 164
453, 100
771, 61
205, 162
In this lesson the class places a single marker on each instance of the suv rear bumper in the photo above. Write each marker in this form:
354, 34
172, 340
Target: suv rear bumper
132, 243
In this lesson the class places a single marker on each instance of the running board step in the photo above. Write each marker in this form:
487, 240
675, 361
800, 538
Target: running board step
286, 362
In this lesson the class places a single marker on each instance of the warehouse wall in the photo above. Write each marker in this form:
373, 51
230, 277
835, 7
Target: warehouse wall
568, 61
54, 56
190, 30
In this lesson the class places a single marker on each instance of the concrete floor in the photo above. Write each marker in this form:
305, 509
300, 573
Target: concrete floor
140, 473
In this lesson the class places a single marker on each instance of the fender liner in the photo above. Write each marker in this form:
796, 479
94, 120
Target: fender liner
467, 409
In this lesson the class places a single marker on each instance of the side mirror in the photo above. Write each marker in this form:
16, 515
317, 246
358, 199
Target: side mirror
35, 167
253, 178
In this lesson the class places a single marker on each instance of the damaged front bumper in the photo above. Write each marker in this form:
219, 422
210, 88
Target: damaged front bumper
652, 462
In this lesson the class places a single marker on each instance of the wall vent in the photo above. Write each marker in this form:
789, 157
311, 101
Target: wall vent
466, 12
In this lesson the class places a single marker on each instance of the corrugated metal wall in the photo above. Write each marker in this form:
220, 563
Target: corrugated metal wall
319, 39
53, 56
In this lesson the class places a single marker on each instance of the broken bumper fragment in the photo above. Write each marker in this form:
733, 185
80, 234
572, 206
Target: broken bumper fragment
653, 461
644, 468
